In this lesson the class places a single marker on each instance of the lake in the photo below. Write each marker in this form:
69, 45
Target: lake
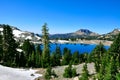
82, 48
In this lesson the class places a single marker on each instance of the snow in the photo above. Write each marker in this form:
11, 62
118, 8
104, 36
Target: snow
1, 29
22, 35
7, 73
17, 33
38, 37
28, 37
63, 41
19, 50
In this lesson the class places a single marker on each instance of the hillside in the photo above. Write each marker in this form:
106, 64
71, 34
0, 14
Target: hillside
111, 35
20, 35
82, 33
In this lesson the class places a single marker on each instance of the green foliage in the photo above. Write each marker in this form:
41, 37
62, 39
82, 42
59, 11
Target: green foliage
66, 57
85, 74
75, 58
1, 47
9, 47
55, 57
118, 76
97, 55
83, 57
110, 62
58, 55
49, 73
111, 70
46, 51
114, 50
69, 72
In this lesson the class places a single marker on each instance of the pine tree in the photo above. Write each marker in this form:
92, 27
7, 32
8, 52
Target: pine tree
69, 72
29, 53
97, 55
9, 46
85, 74
46, 51
1, 47
67, 57
114, 50
49, 72
75, 58
111, 70
58, 56
22, 60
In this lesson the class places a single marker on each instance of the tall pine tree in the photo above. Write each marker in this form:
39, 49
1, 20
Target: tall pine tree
9, 46
1, 47
97, 55
46, 51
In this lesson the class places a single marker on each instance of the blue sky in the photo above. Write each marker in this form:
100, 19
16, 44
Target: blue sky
62, 16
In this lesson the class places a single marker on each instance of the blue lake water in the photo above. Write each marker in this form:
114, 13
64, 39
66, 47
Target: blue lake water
82, 48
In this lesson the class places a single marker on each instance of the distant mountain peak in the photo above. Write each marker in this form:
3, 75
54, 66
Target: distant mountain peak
85, 31
116, 29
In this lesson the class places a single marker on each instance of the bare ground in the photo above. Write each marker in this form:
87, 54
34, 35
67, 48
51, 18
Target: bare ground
59, 70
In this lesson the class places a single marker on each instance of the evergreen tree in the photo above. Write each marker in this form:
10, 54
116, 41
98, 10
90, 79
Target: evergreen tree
9, 46
38, 56
1, 47
22, 60
111, 62
118, 76
75, 58
38, 50
83, 57
114, 50
66, 57
53, 59
97, 55
111, 70
58, 55
85, 74
27, 48
69, 72
29, 53
46, 51
49, 72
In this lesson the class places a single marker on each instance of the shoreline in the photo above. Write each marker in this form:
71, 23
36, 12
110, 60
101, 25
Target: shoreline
104, 42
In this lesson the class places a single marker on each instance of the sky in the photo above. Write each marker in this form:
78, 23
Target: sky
61, 16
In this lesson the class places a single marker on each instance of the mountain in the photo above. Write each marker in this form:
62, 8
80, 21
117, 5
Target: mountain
114, 32
111, 35
82, 33
86, 32
20, 35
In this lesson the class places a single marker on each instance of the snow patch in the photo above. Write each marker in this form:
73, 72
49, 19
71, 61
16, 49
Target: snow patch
19, 50
1, 29
28, 37
63, 41
17, 33
7, 73
38, 37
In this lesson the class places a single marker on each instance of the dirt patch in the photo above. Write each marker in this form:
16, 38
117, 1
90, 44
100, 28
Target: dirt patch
59, 70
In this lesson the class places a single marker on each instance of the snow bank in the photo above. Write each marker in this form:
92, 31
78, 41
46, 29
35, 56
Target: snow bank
63, 41
7, 73
28, 37
17, 33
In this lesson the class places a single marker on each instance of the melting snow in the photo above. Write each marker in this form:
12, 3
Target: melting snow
17, 33
7, 73
19, 50
28, 37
